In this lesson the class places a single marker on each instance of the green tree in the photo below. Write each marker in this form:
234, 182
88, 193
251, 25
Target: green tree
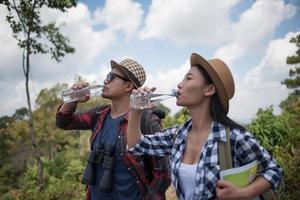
292, 103
280, 135
13, 157
271, 130
5, 121
27, 28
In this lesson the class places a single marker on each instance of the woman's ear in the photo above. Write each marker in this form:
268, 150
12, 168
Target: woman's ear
210, 90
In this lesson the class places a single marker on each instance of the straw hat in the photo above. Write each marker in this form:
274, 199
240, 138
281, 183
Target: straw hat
220, 75
132, 70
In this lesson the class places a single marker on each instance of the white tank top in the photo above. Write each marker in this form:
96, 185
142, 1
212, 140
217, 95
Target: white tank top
187, 174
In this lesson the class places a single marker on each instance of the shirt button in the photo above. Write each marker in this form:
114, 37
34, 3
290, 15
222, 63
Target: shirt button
128, 168
121, 154
137, 181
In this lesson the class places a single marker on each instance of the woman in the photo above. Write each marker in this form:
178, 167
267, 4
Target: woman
193, 148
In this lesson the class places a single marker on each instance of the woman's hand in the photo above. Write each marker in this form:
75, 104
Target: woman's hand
144, 90
138, 99
227, 191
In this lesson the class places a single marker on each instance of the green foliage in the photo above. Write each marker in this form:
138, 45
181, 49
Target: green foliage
268, 128
280, 134
291, 104
179, 118
165, 109
24, 19
8, 175
5, 121
295, 58
35, 37
57, 166
21, 114
64, 152
50, 98
62, 181
288, 153
293, 82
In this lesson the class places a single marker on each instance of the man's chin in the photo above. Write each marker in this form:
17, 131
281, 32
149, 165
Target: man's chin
105, 96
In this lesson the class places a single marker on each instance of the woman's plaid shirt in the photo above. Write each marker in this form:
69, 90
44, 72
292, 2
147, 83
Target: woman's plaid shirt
244, 148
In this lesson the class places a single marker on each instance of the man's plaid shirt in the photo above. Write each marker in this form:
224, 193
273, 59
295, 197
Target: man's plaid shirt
93, 120
244, 149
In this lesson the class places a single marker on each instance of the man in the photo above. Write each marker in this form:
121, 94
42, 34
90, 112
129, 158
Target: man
111, 172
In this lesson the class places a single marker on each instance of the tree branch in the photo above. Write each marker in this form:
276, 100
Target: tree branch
14, 6
23, 63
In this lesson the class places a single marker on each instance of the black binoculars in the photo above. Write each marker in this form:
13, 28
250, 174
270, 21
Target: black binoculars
102, 156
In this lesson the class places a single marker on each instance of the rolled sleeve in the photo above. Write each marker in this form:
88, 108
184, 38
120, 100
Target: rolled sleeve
159, 144
249, 149
69, 120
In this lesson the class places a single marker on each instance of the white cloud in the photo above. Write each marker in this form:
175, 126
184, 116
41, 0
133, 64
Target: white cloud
190, 21
9, 51
260, 20
124, 15
209, 22
166, 80
261, 85
259, 88
254, 27
80, 26
229, 53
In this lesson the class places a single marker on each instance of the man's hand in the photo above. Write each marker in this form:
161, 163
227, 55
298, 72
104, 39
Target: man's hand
78, 86
227, 191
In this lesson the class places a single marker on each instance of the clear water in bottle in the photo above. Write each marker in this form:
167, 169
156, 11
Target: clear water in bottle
71, 95
140, 102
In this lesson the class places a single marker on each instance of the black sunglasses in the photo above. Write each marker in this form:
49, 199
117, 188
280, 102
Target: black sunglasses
111, 76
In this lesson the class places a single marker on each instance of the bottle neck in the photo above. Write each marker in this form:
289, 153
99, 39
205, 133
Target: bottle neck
173, 93
96, 86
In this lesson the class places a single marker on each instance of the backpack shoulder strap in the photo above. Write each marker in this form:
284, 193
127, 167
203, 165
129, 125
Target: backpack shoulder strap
224, 152
225, 159
146, 120
146, 128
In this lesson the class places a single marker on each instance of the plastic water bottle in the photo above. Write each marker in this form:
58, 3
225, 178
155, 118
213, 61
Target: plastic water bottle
140, 102
71, 95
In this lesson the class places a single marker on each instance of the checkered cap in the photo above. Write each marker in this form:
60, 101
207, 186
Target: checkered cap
132, 70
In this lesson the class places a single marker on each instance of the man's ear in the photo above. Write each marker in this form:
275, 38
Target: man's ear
129, 87
210, 90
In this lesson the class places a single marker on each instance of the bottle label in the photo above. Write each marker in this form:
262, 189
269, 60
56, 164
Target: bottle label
96, 91
66, 98
140, 102
71, 95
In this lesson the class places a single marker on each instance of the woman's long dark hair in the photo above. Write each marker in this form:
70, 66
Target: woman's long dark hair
216, 109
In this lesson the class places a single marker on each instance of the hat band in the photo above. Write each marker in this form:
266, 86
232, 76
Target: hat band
131, 76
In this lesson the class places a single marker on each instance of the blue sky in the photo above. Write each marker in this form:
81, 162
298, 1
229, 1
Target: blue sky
252, 37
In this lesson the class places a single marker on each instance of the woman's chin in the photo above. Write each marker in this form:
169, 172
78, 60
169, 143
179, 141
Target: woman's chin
179, 103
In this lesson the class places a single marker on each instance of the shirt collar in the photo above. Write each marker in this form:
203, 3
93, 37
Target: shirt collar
105, 111
218, 131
